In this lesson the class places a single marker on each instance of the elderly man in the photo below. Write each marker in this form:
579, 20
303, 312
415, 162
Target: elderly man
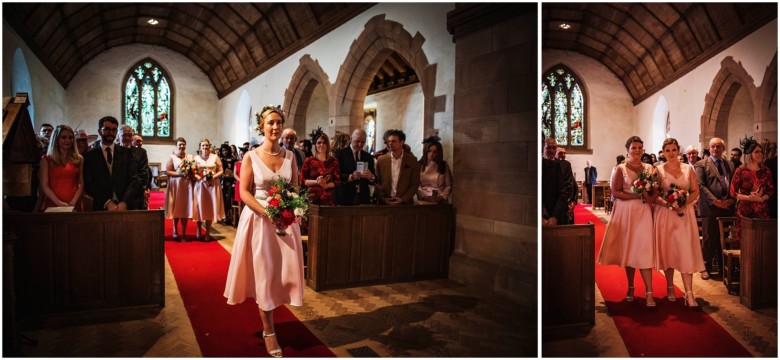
356, 168
550, 150
289, 138
714, 175
556, 188
692, 153
141, 163
138, 141
397, 172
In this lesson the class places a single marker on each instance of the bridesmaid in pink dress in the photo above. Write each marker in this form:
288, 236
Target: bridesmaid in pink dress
677, 237
179, 193
263, 265
209, 205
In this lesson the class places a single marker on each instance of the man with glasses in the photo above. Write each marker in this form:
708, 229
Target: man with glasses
110, 174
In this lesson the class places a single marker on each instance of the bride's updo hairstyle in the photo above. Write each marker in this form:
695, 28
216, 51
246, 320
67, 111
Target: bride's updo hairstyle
267, 110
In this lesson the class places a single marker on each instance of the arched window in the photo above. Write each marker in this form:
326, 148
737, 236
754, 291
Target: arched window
148, 101
563, 108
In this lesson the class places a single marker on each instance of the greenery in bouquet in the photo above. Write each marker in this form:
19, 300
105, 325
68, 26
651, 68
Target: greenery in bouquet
646, 184
285, 205
676, 199
206, 173
188, 168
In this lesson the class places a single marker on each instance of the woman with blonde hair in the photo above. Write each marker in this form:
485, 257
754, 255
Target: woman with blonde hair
208, 191
61, 174
340, 141
179, 192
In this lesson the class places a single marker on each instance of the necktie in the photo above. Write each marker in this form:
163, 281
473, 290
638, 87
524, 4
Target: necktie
357, 155
720, 167
109, 157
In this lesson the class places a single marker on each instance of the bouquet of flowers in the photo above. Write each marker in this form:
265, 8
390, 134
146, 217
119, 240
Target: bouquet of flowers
283, 205
187, 168
676, 198
206, 173
646, 184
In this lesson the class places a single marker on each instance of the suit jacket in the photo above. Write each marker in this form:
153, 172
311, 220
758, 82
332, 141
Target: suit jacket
141, 160
345, 192
591, 175
299, 157
567, 173
555, 191
710, 186
124, 180
408, 180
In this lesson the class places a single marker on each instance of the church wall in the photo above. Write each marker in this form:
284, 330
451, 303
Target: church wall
48, 96
96, 91
686, 95
609, 109
317, 112
400, 108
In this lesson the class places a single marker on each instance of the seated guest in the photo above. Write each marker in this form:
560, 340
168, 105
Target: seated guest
320, 173
110, 174
289, 137
61, 175
435, 174
354, 188
141, 164
397, 172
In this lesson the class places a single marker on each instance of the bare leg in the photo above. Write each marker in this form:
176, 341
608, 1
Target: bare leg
630, 277
647, 277
690, 300
269, 334
669, 273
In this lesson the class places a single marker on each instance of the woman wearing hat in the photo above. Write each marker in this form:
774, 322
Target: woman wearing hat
751, 184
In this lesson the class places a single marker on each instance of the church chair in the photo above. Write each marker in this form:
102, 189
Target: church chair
731, 252
607, 200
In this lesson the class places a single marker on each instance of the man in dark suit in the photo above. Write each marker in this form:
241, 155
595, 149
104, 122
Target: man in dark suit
591, 176
110, 176
354, 187
289, 138
555, 193
141, 159
397, 172
713, 174
550, 150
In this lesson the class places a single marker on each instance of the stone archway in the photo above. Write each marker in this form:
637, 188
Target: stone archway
380, 38
718, 101
766, 110
298, 94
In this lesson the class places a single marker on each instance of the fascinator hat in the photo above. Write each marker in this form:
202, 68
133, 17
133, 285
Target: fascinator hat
748, 145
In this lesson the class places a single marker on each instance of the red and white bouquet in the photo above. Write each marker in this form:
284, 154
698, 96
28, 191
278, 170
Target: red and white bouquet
646, 184
676, 199
283, 205
188, 168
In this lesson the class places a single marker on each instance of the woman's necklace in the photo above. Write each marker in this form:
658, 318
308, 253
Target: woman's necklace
635, 166
273, 154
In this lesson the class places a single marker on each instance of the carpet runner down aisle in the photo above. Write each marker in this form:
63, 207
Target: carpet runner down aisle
669, 330
223, 330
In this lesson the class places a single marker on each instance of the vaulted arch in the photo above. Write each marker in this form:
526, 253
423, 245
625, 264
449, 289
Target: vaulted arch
298, 94
718, 102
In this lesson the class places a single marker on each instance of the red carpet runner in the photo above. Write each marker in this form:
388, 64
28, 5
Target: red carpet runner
669, 331
224, 330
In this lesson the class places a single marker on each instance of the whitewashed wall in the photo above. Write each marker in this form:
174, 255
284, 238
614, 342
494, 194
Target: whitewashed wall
96, 91
47, 95
316, 113
429, 19
400, 108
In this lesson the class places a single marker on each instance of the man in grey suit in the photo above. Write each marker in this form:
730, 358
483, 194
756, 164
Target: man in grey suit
714, 175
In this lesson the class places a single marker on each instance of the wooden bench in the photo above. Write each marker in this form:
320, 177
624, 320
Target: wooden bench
758, 276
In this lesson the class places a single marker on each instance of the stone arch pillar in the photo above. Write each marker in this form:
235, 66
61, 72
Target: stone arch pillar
298, 94
766, 108
718, 101
380, 38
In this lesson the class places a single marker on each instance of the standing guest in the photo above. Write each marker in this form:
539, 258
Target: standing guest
705, 153
628, 240
320, 173
653, 158
714, 173
44, 137
354, 187
550, 150
179, 193
677, 236
289, 138
692, 154
559, 156
82, 141
435, 175
683, 159
306, 148
591, 176
61, 175
397, 172
555, 192
228, 180
340, 141
138, 141
110, 174
208, 192
736, 154
752, 184
263, 265
647, 159
770, 161
141, 164
237, 176
234, 152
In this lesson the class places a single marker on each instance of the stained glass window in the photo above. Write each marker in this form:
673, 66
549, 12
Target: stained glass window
563, 108
148, 101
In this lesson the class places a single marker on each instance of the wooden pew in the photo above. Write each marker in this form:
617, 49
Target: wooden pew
87, 262
758, 276
568, 276
370, 244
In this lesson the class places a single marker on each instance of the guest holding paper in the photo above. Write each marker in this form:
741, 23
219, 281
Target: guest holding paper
208, 192
61, 174
435, 175
628, 240
320, 173
356, 169
179, 193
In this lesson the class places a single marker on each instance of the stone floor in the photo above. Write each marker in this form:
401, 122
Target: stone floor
755, 330
420, 319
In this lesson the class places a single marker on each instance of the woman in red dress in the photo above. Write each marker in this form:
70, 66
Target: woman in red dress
320, 172
751, 184
61, 173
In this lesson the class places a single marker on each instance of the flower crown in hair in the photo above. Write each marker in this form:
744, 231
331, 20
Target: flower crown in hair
315, 133
747, 144
259, 116
432, 138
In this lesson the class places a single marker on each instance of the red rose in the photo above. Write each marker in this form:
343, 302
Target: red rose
273, 203
670, 198
640, 184
271, 191
288, 217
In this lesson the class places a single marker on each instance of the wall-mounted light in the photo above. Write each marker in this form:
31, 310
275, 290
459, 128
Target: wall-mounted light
152, 21
564, 26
